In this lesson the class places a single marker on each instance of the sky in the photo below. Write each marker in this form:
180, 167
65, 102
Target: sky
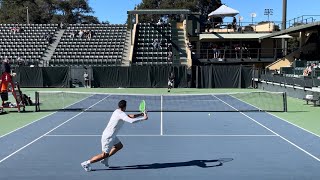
115, 11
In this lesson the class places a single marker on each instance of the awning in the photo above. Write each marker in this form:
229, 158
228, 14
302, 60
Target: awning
224, 11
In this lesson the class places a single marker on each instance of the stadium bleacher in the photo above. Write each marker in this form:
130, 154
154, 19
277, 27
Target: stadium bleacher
106, 46
29, 44
145, 53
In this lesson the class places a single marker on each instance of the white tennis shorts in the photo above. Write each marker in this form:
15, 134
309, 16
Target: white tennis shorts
170, 83
108, 142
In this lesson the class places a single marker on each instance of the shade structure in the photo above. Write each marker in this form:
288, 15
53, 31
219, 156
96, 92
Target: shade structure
224, 11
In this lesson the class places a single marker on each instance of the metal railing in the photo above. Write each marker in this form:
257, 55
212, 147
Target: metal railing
242, 53
242, 27
305, 19
305, 82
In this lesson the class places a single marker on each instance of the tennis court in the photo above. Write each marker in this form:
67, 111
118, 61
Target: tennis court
186, 137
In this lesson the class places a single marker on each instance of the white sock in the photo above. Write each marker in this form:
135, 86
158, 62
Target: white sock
88, 162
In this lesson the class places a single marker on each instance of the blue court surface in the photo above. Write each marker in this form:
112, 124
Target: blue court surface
170, 145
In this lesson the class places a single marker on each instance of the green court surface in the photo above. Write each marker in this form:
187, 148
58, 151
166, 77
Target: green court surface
300, 114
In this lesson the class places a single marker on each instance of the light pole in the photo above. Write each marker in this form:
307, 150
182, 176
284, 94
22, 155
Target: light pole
268, 12
27, 15
240, 19
253, 15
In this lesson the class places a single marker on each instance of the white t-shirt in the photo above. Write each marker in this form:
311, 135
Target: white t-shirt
116, 122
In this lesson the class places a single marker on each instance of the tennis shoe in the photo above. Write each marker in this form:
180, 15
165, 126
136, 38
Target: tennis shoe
86, 166
105, 162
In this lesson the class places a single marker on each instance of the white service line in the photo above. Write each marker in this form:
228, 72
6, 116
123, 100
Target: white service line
168, 135
280, 118
271, 130
50, 131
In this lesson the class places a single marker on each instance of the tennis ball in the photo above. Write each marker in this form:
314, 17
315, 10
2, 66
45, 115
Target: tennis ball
209, 114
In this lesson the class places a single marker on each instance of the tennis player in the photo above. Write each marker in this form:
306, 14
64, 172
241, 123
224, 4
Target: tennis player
109, 140
170, 81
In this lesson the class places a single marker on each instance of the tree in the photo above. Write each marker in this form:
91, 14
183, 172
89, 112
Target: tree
46, 11
204, 7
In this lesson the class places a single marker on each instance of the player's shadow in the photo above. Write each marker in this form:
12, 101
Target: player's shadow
199, 163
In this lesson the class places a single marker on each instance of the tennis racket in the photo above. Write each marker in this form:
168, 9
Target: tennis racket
142, 106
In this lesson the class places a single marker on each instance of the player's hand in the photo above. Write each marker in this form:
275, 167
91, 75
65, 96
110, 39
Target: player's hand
145, 115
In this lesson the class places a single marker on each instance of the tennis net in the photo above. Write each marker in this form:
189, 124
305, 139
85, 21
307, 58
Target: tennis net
101, 102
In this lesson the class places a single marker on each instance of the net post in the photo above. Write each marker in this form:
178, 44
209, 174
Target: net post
285, 104
37, 102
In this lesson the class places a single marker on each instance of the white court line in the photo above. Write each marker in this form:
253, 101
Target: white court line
50, 131
39, 119
161, 116
153, 135
26, 125
271, 130
280, 118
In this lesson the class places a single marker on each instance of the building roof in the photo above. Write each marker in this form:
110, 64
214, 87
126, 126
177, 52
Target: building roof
292, 30
160, 11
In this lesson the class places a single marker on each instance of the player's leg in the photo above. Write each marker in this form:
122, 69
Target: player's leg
87, 164
106, 143
99, 157
115, 149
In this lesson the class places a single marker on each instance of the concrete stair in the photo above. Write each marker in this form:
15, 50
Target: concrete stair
182, 48
52, 47
126, 52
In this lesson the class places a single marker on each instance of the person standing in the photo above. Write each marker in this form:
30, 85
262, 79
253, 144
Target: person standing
170, 81
86, 80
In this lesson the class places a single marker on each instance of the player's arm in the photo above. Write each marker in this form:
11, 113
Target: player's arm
135, 115
128, 119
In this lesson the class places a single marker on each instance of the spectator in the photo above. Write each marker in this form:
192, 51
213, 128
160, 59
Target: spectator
5, 67
19, 30
237, 50
248, 51
81, 33
170, 55
26, 62
62, 25
89, 34
156, 44
308, 70
86, 79
20, 61
49, 38
169, 47
234, 24
72, 34
14, 29
244, 51
208, 25
160, 22
215, 51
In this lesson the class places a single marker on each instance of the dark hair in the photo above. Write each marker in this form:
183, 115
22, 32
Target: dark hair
122, 104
